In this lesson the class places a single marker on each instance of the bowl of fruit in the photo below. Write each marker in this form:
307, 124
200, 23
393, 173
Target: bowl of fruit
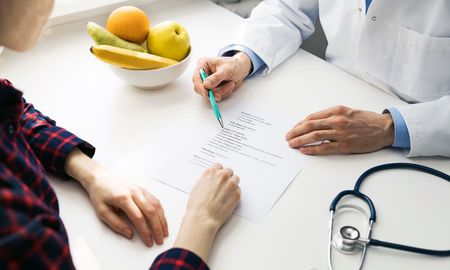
147, 58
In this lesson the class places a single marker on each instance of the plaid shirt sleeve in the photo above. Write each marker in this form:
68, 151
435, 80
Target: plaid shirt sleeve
50, 143
178, 259
32, 236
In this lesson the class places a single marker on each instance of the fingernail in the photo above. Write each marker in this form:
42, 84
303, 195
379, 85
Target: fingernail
207, 83
150, 242
291, 144
127, 233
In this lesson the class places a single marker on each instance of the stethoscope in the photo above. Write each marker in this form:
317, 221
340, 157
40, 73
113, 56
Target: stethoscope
349, 240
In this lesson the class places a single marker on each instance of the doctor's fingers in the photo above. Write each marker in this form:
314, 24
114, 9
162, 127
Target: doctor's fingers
217, 80
222, 74
316, 137
224, 90
198, 84
307, 127
327, 148
335, 110
209, 65
315, 116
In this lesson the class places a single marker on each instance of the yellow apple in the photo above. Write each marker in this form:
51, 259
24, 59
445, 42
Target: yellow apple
169, 39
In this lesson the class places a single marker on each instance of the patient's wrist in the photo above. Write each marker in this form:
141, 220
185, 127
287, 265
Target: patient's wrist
203, 221
84, 170
197, 234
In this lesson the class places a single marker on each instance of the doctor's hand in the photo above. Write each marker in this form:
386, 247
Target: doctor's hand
226, 74
119, 203
210, 205
343, 130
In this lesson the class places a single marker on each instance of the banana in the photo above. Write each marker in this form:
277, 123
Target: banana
101, 36
130, 59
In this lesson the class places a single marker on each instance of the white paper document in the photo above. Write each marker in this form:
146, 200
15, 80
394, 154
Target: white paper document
252, 144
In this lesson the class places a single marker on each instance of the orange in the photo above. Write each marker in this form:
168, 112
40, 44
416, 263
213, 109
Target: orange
129, 23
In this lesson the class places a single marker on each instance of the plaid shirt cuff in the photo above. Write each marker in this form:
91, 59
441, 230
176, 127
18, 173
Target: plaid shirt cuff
51, 144
54, 144
180, 259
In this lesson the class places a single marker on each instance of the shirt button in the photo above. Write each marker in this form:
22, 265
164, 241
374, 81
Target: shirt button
374, 18
11, 129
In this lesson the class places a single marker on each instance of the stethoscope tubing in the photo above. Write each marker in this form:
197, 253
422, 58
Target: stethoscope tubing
424, 251
399, 165
358, 194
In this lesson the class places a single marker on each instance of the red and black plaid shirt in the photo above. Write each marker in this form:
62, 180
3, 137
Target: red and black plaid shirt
32, 235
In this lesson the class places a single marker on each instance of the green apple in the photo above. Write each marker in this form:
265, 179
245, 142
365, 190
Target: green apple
169, 39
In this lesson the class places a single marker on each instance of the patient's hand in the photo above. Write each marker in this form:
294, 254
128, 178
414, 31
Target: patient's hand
115, 200
210, 205
215, 195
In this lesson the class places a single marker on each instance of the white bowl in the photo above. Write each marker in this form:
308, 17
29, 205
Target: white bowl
152, 78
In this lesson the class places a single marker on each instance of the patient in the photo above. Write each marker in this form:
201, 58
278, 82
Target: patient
32, 234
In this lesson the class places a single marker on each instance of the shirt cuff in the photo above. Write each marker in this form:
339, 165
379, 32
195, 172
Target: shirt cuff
59, 143
178, 258
257, 63
401, 133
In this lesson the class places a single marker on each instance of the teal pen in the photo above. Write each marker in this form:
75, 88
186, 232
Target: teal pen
212, 100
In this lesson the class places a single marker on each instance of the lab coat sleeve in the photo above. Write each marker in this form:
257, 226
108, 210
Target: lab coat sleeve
276, 29
429, 127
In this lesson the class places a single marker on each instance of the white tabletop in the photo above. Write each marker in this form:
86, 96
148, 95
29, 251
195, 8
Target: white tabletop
135, 131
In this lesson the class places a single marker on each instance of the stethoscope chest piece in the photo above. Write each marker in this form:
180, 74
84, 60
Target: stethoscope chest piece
348, 240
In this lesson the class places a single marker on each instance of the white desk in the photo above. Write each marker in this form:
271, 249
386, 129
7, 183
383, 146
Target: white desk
63, 80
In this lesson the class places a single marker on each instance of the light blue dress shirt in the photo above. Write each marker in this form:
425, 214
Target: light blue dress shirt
401, 137
401, 133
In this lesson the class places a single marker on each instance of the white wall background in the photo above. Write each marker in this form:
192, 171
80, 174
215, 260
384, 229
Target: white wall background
67, 10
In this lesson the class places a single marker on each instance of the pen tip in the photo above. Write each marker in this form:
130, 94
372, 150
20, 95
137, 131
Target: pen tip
221, 122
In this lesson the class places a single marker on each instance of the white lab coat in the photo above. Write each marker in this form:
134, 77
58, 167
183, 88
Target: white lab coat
402, 46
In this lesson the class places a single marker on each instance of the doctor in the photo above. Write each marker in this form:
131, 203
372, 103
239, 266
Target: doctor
402, 47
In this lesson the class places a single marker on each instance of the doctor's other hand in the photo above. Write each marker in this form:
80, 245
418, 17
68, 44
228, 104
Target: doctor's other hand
226, 74
343, 131
211, 203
